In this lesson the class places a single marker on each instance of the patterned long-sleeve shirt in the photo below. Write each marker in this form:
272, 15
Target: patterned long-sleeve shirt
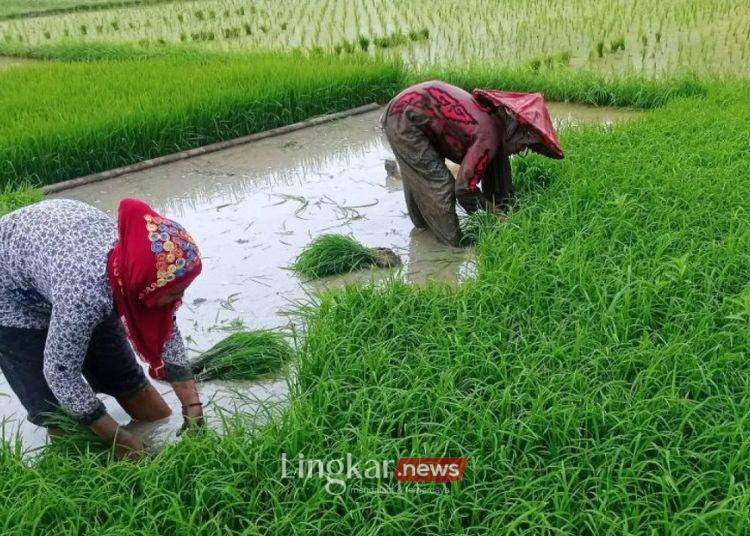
53, 276
458, 126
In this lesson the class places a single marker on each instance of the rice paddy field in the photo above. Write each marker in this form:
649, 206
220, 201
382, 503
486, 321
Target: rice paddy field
614, 36
594, 370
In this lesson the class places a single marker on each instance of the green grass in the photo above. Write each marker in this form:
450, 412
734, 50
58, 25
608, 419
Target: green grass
246, 355
595, 372
14, 198
476, 225
60, 120
333, 254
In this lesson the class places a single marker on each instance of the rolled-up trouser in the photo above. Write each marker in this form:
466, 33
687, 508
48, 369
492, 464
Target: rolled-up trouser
429, 186
110, 367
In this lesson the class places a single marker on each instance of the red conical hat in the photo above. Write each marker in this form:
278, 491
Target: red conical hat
530, 111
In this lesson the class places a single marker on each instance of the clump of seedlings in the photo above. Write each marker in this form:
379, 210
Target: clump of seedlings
364, 42
617, 44
475, 225
71, 438
333, 254
245, 355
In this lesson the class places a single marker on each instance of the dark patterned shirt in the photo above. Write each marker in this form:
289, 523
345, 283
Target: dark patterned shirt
460, 128
53, 275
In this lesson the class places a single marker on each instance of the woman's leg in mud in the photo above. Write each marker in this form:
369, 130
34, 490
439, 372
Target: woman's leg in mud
412, 208
145, 405
430, 185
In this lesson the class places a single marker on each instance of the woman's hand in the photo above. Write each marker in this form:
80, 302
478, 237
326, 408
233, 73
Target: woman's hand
192, 417
192, 408
127, 446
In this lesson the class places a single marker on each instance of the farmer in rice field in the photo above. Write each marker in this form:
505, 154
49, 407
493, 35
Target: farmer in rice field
74, 288
432, 121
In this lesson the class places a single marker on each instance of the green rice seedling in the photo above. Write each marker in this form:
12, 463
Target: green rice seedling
475, 226
333, 254
83, 29
572, 86
156, 117
245, 355
617, 44
47, 34
203, 36
600, 49
594, 371
248, 29
232, 33
12, 198
199, 15
398, 39
284, 26
364, 43
71, 438
315, 21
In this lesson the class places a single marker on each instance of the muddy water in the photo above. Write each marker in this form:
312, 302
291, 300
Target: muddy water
568, 114
252, 209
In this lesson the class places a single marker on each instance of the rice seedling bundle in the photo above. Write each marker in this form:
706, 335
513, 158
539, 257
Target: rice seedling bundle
333, 254
246, 355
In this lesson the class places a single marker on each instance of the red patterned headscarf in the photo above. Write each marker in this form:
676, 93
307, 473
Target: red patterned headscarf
152, 255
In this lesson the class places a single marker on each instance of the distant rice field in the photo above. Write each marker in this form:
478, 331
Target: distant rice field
622, 36
32, 8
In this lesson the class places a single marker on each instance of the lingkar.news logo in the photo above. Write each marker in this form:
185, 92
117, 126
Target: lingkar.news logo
338, 472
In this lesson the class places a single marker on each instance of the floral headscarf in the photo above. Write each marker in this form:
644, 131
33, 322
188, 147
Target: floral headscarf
153, 256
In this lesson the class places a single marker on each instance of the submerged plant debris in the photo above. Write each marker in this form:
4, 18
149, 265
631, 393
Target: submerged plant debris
333, 254
246, 355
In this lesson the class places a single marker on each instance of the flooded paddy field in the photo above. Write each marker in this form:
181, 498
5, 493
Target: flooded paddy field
711, 36
252, 209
